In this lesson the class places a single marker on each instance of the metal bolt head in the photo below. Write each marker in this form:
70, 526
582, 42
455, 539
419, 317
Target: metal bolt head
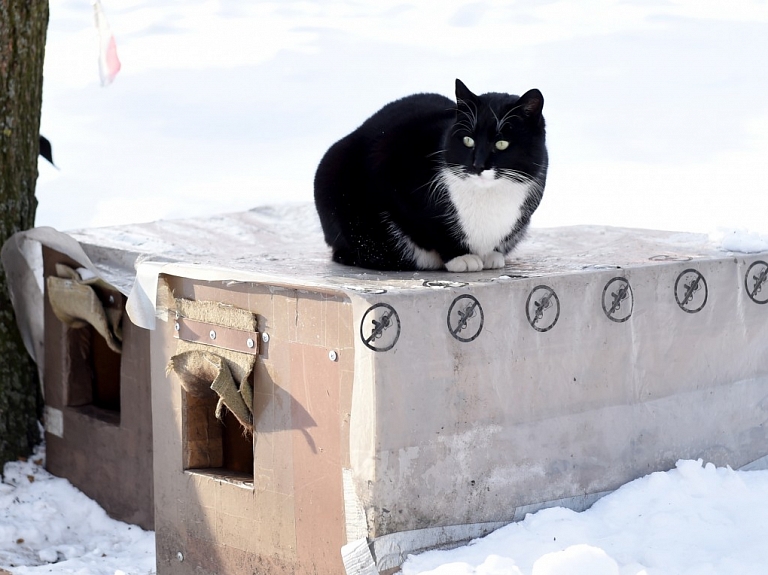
180, 556
212, 334
111, 299
250, 343
332, 355
176, 326
265, 337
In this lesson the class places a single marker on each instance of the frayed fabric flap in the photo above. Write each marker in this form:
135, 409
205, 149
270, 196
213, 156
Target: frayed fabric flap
75, 302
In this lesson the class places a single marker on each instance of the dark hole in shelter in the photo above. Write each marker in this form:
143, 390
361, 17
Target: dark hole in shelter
212, 446
237, 446
105, 365
94, 371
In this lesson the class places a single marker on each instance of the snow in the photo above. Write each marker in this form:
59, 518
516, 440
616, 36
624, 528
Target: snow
48, 526
656, 111
739, 240
694, 519
657, 118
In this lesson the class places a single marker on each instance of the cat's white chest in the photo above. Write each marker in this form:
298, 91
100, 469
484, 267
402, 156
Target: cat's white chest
486, 209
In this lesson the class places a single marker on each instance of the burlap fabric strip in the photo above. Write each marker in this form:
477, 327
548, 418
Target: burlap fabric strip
77, 303
204, 370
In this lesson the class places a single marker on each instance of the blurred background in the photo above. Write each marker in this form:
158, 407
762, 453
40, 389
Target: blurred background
657, 111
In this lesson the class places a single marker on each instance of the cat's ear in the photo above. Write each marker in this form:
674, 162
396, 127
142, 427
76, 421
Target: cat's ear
463, 94
531, 103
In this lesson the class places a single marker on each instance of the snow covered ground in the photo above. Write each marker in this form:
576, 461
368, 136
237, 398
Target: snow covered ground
48, 526
657, 117
693, 520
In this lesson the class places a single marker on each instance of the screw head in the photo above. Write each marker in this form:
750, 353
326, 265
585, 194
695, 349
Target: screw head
212, 334
111, 299
250, 343
180, 556
176, 326
265, 337
332, 355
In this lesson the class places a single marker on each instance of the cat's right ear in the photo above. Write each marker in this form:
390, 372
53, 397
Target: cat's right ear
531, 102
463, 94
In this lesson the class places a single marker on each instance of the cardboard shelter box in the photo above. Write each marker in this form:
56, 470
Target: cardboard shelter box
98, 420
98, 410
395, 412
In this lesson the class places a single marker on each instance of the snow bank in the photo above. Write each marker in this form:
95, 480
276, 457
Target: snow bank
48, 526
739, 240
693, 519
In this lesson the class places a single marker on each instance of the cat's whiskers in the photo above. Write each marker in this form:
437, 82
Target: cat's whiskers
435, 192
535, 184
470, 113
462, 125
504, 119
435, 186
485, 210
515, 175
440, 183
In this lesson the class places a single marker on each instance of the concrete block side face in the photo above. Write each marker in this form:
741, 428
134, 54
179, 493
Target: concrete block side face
703, 345
106, 454
289, 518
472, 427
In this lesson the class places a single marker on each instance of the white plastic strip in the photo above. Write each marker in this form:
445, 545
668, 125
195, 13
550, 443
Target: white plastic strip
578, 504
760, 464
23, 263
354, 514
357, 558
393, 549
140, 306
54, 421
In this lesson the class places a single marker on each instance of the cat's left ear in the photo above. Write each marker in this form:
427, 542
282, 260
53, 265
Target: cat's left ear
463, 94
532, 102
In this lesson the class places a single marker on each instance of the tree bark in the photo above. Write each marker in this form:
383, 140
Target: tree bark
23, 27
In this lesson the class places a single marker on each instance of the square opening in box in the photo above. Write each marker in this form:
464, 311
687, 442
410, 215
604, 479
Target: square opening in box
222, 448
80, 312
93, 382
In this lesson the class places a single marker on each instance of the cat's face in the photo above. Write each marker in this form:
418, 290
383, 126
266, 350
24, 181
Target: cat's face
496, 136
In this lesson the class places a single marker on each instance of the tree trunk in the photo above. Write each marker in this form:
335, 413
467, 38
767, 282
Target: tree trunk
23, 26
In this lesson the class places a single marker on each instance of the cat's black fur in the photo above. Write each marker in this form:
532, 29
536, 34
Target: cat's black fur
404, 190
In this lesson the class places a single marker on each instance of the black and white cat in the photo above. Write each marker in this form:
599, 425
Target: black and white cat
425, 183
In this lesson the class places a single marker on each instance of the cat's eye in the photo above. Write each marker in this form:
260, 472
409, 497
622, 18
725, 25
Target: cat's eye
502, 145
469, 142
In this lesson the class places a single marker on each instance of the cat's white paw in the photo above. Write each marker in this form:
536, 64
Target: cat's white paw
465, 263
493, 261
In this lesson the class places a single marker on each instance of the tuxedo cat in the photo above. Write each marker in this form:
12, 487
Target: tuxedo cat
425, 183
